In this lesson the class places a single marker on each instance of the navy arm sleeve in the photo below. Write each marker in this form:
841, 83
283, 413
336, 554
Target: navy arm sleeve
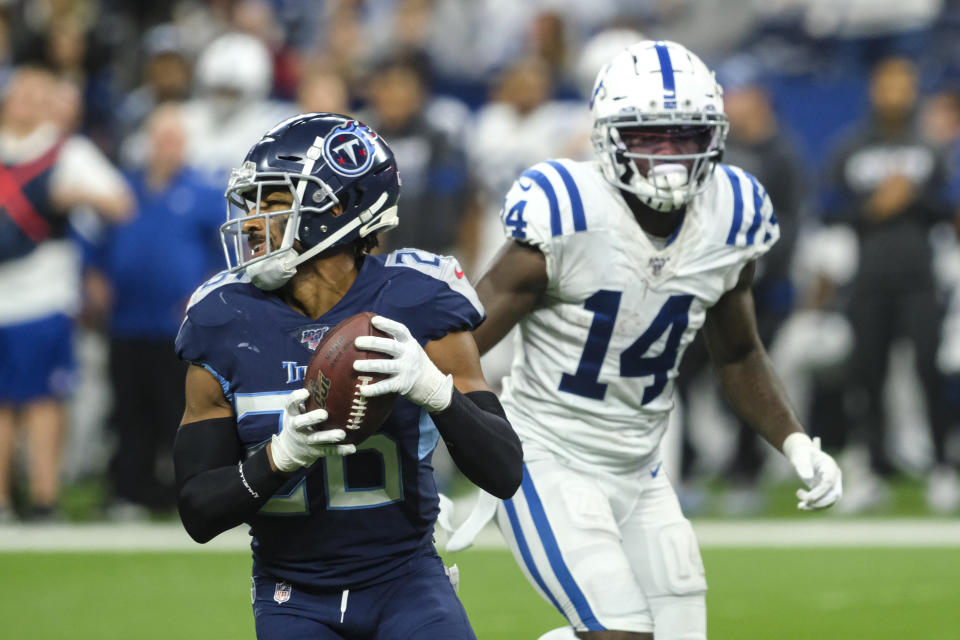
215, 490
481, 442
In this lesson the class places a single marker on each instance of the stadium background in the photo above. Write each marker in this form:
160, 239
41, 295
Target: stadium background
503, 86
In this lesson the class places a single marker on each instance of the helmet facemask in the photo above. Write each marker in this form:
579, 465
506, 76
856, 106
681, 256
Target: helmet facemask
263, 241
664, 159
658, 123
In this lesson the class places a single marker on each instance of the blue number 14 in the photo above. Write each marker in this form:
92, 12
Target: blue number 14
672, 317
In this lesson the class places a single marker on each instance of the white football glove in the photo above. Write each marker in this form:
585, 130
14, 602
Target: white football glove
298, 445
817, 469
412, 373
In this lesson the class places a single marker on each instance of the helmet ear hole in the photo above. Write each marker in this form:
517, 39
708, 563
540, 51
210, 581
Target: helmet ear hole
352, 196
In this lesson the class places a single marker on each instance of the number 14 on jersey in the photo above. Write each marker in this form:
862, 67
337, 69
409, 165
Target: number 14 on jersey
673, 317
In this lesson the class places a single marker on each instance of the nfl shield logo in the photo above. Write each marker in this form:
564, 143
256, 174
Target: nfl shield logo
282, 592
311, 337
656, 265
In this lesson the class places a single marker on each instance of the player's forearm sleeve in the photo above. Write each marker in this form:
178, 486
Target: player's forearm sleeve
215, 491
481, 442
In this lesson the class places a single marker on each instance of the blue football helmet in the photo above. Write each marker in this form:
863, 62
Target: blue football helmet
323, 160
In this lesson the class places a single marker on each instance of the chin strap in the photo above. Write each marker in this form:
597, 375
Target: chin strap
275, 270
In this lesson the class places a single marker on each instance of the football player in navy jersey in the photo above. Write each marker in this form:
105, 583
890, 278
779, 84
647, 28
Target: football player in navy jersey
342, 534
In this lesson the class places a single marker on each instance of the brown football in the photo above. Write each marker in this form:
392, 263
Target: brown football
335, 386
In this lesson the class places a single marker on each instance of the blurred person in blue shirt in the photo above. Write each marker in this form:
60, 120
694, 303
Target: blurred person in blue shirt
165, 77
148, 269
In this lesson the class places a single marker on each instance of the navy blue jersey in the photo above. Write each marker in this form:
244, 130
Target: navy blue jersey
343, 522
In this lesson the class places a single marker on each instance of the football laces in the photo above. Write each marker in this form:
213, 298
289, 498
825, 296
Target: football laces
358, 407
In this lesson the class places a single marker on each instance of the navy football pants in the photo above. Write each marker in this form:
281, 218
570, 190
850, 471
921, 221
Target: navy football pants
418, 606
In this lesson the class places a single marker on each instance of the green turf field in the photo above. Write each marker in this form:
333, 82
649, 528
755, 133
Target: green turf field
773, 594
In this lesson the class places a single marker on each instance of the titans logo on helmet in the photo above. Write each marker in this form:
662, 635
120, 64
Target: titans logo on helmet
348, 149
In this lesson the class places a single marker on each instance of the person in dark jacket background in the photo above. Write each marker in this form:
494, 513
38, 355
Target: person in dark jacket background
888, 184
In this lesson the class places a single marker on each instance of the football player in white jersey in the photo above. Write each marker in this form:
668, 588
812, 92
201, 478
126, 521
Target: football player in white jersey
610, 269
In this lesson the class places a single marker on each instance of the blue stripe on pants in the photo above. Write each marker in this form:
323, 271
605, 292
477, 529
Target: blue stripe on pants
567, 583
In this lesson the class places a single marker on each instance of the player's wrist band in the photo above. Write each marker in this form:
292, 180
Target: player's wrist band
246, 484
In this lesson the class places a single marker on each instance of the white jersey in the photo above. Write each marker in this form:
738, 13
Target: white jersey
594, 368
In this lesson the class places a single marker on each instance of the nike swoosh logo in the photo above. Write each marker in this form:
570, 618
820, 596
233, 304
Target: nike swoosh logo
524, 188
656, 470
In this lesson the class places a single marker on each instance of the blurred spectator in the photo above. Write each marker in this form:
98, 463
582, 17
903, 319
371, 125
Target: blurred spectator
550, 41
6, 49
888, 184
149, 266
322, 90
518, 127
231, 110
166, 77
436, 185
470, 42
400, 25
44, 175
70, 44
200, 22
257, 18
465, 41
405, 29
343, 41
941, 127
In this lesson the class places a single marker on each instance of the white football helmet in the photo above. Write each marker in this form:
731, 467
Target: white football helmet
658, 123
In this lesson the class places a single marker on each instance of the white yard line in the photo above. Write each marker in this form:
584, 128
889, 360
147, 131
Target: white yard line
710, 533
904, 532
